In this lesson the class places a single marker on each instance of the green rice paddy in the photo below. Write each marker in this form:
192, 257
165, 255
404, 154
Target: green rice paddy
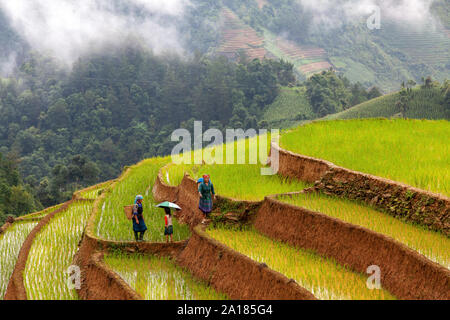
325, 278
111, 222
415, 152
435, 246
158, 278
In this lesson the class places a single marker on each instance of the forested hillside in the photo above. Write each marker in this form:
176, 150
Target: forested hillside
15, 199
384, 57
398, 51
65, 127
73, 129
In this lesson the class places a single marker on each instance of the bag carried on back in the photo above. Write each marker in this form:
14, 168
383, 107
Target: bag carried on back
129, 211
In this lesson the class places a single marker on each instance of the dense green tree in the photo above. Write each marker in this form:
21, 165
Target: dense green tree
72, 129
15, 199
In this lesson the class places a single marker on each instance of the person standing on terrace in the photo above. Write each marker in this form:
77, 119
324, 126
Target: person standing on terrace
139, 226
206, 192
168, 229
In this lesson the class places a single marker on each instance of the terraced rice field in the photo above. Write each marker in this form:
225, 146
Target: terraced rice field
415, 152
94, 193
234, 180
238, 181
10, 243
40, 214
111, 222
237, 36
291, 105
52, 252
158, 278
306, 59
385, 106
295, 51
323, 277
428, 44
364, 145
314, 67
435, 246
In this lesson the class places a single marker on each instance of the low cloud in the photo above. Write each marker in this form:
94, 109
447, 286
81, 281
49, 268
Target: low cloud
68, 29
333, 13
8, 65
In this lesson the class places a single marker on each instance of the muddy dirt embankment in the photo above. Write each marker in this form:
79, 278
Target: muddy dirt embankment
227, 271
235, 274
400, 200
164, 192
404, 272
5, 227
16, 288
224, 269
98, 281
186, 193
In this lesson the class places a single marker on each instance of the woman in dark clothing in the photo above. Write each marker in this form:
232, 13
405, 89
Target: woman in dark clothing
206, 192
139, 226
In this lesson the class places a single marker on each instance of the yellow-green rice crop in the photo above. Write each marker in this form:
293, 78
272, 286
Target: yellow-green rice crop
112, 223
40, 214
10, 243
158, 278
52, 253
433, 245
94, 193
416, 152
243, 182
325, 278
238, 181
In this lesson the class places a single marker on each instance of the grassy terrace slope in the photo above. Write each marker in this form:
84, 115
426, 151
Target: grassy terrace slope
410, 151
242, 181
93, 193
10, 243
306, 59
325, 278
111, 223
52, 252
156, 278
435, 246
424, 104
237, 36
289, 108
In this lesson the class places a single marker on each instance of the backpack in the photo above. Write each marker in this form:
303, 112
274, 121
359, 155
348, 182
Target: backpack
129, 210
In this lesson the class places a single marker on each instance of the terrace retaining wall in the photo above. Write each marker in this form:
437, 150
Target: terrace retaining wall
400, 200
164, 192
300, 167
98, 281
235, 274
186, 195
32, 217
404, 272
223, 268
16, 288
5, 227
77, 195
